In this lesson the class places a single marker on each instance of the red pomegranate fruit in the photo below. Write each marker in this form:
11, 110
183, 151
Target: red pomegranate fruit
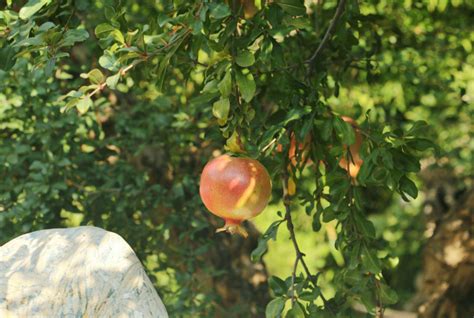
235, 189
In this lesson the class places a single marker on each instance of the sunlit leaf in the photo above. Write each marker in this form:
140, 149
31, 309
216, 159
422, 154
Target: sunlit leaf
275, 308
245, 59
31, 7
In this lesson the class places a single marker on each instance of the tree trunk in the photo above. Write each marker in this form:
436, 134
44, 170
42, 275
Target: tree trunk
447, 282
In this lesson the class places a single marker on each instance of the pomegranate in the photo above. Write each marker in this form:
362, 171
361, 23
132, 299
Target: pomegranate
235, 189
353, 166
303, 148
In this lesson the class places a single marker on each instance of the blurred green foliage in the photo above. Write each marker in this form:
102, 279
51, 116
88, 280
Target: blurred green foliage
109, 110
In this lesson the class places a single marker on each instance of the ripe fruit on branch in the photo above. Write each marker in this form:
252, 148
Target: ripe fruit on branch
235, 189
303, 150
298, 160
353, 166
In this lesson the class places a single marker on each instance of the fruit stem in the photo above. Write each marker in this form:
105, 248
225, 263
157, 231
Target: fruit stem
233, 227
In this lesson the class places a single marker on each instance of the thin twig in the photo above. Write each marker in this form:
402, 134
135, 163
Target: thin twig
122, 73
379, 311
327, 35
293, 279
291, 229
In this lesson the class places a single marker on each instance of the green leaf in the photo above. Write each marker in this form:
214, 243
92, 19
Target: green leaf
220, 11
225, 85
277, 285
46, 26
387, 294
7, 59
108, 61
270, 233
316, 224
296, 113
418, 128
368, 299
387, 158
344, 130
210, 87
73, 36
364, 225
104, 30
220, 109
327, 128
369, 260
292, 7
48, 70
31, 7
296, 311
245, 59
310, 295
409, 187
112, 81
329, 214
197, 27
299, 23
246, 85
421, 144
354, 255
84, 104
275, 308
37, 40
95, 76
405, 162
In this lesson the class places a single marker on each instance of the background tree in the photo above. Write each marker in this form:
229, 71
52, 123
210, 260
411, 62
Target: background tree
110, 109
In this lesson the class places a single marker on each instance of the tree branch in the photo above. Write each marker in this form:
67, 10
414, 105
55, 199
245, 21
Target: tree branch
291, 229
327, 35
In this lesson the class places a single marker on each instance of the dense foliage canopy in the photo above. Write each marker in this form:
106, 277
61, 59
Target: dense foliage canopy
110, 109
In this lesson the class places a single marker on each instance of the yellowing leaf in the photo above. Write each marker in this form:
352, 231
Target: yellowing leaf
84, 104
220, 109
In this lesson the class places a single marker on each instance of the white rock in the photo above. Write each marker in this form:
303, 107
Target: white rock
75, 272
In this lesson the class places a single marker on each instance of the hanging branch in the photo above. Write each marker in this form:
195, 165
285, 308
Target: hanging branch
327, 35
299, 254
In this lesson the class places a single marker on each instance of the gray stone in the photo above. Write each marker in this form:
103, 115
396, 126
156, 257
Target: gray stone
74, 272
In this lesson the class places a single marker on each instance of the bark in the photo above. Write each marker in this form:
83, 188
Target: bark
447, 281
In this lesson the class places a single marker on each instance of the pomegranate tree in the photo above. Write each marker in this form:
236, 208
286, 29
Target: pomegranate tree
235, 189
